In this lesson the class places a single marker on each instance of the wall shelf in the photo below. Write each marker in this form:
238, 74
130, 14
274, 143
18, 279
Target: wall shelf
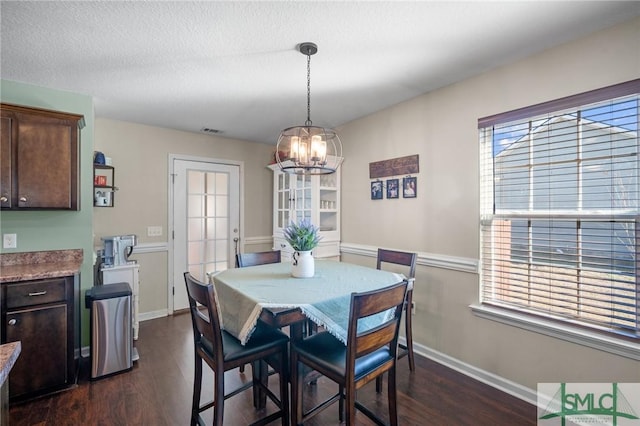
103, 185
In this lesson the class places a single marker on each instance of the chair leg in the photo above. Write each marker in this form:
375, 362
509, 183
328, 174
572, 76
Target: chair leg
296, 389
409, 331
393, 404
255, 376
218, 398
263, 376
379, 384
350, 404
341, 404
197, 388
284, 387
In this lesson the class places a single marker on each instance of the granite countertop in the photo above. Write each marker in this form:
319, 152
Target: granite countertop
16, 267
8, 355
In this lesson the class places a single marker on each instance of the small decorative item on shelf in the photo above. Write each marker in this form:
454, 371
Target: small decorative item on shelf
303, 238
98, 158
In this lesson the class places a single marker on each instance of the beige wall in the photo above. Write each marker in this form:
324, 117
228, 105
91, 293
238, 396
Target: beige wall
443, 220
140, 156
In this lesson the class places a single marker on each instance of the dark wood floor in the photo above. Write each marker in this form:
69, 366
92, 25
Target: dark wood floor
158, 392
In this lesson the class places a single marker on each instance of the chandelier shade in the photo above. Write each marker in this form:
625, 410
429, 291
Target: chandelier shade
308, 149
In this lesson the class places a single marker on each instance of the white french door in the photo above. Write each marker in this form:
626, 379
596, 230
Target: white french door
206, 221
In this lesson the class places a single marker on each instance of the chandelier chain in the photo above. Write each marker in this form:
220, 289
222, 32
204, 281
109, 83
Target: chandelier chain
308, 122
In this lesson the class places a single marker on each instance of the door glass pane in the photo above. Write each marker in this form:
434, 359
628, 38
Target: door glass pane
208, 223
222, 203
222, 228
210, 204
195, 181
195, 252
210, 230
194, 208
194, 230
222, 184
221, 250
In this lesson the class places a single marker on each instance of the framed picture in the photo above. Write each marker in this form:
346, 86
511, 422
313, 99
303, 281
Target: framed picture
376, 190
392, 188
409, 187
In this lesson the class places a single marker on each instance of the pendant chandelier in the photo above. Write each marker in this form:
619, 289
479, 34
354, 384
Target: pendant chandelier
308, 149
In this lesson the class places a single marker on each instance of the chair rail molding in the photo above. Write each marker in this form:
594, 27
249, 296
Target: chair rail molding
259, 240
151, 247
460, 264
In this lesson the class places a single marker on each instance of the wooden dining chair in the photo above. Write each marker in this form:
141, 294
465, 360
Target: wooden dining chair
403, 259
258, 258
409, 260
222, 352
367, 354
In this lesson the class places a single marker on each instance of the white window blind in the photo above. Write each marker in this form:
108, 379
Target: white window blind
560, 209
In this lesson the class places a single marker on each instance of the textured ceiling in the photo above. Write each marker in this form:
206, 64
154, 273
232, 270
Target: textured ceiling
234, 66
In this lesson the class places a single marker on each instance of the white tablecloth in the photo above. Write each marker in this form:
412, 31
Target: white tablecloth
324, 298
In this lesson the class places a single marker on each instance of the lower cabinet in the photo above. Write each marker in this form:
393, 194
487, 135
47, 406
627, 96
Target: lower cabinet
40, 314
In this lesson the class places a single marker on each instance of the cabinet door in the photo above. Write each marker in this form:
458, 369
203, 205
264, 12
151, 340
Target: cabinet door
282, 201
303, 198
5, 162
42, 363
45, 164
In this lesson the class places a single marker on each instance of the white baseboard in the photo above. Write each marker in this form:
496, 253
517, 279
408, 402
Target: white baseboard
145, 316
512, 388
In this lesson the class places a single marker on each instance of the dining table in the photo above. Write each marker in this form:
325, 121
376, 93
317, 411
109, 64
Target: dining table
271, 294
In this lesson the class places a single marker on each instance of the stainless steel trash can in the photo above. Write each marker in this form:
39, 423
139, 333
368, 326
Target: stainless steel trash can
111, 329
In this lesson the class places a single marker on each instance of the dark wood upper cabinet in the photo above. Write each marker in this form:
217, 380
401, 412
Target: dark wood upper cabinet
39, 156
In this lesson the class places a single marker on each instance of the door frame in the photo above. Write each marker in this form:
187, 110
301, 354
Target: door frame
171, 219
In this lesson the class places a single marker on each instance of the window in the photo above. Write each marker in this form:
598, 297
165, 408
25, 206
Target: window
560, 210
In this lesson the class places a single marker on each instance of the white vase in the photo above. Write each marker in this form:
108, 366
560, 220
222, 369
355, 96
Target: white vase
303, 265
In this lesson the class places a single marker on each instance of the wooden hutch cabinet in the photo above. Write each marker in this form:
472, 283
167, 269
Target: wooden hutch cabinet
39, 158
315, 198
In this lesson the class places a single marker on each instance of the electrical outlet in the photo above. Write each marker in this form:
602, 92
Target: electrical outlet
154, 231
10, 241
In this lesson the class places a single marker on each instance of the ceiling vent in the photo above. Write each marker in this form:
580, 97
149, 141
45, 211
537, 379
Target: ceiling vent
210, 131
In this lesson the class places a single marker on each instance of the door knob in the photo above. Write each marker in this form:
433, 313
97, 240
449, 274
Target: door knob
12, 321
3, 199
23, 199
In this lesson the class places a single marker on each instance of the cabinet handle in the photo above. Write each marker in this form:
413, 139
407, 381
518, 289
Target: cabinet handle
38, 293
23, 199
12, 321
4, 199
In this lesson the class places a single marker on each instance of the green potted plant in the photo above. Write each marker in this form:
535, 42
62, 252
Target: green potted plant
302, 237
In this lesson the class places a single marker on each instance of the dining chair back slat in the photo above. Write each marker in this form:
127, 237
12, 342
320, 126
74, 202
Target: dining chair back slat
371, 303
258, 258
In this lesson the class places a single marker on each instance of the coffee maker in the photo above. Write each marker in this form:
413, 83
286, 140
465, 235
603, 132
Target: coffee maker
117, 250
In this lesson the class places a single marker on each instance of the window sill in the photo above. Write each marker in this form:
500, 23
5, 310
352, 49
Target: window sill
549, 328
